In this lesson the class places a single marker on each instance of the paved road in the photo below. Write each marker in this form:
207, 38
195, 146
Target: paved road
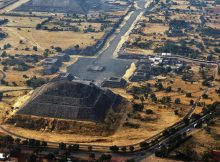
113, 66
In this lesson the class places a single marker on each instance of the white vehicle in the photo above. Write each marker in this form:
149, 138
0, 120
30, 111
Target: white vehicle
188, 130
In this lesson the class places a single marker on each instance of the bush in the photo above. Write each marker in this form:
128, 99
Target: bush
114, 148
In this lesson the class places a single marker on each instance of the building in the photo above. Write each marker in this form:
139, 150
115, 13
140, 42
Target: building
114, 82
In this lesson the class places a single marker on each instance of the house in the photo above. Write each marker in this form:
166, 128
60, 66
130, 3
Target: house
114, 82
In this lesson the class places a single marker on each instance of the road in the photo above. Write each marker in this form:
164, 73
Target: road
151, 151
13, 6
113, 66
98, 150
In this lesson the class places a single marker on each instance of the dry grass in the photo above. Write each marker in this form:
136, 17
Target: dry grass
28, 22
155, 28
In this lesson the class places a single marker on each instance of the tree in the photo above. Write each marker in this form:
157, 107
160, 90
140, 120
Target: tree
124, 149
142, 100
50, 156
37, 143
35, 48
105, 157
131, 148
191, 102
8, 139
177, 101
44, 144
18, 141
74, 147
168, 89
153, 97
62, 146
159, 86
138, 107
114, 148
166, 99
144, 145
58, 49
205, 96
77, 47
90, 148
46, 54
92, 155
38, 26
162, 152
32, 158
146, 95
188, 94
1, 96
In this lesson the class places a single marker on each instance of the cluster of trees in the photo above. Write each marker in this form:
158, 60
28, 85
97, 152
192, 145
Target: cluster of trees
35, 82
6, 46
208, 31
2, 35
74, 147
116, 149
3, 21
17, 63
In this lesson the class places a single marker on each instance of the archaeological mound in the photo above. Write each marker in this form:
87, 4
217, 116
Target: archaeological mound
72, 107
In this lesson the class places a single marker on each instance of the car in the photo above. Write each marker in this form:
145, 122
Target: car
195, 125
188, 130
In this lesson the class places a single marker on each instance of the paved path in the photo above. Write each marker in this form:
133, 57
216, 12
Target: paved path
113, 67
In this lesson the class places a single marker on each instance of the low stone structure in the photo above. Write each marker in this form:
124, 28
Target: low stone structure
114, 82
142, 72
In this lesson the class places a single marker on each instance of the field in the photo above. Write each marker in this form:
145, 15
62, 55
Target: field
23, 28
